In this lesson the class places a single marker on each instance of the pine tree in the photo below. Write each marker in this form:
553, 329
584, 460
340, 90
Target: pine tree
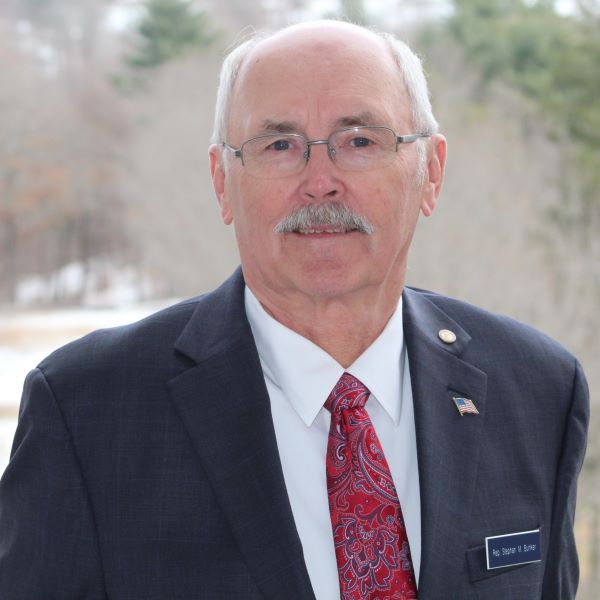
168, 28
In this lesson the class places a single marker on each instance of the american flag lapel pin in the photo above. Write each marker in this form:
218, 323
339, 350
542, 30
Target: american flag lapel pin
464, 406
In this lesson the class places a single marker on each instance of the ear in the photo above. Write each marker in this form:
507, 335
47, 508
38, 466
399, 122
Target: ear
217, 173
434, 176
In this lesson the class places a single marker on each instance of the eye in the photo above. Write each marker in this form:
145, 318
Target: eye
360, 142
280, 145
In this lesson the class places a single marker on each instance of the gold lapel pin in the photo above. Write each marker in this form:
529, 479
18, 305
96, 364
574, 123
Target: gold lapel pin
447, 336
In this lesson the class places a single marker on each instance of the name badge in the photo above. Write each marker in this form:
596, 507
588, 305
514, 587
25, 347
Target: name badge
513, 549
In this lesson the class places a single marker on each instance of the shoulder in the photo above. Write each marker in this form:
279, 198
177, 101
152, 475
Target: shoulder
139, 337
526, 371
147, 353
497, 339
138, 355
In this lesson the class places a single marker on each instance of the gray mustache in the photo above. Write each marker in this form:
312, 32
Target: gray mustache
332, 214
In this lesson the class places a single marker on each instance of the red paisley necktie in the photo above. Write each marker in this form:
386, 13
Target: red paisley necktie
370, 539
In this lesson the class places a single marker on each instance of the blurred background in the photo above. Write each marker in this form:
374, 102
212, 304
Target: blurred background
107, 211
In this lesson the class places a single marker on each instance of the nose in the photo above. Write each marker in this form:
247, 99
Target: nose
321, 177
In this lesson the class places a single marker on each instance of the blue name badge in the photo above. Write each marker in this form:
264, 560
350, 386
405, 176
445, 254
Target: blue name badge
513, 549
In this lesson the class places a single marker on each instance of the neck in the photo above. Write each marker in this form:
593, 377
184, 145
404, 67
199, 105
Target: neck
343, 327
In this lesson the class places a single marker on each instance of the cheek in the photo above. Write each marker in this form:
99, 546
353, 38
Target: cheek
258, 206
395, 208
390, 202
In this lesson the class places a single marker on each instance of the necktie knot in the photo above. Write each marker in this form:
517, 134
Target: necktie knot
348, 392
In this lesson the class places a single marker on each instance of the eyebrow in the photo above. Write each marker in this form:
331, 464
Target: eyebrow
362, 118
280, 126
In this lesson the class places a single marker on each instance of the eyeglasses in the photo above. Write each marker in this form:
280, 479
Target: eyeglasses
271, 156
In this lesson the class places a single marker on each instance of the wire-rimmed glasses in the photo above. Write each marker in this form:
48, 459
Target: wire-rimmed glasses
363, 148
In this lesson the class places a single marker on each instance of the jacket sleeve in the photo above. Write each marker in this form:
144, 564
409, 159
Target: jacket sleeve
562, 567
48, 539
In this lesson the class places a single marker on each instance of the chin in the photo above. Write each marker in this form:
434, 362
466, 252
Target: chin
331, 283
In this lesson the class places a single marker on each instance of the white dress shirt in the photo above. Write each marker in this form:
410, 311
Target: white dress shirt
299, 376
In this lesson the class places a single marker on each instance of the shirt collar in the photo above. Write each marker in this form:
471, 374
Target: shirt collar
306, 374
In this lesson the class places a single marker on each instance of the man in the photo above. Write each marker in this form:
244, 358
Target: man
223, 448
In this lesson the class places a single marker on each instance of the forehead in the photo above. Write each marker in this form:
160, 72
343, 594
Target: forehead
317, 76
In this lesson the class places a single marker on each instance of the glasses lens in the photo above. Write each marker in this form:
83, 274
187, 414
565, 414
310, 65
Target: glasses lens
273, 156
363, 148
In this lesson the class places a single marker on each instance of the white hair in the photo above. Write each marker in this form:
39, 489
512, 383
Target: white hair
411, 69
407, 61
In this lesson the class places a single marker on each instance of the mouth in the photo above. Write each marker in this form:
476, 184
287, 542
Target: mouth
324, 230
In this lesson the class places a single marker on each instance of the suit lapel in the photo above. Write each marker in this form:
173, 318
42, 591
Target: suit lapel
447, 444
225, 407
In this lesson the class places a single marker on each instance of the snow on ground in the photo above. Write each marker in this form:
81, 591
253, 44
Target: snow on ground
27, 336
95, 284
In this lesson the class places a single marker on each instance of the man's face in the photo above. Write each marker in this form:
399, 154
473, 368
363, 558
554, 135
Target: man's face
315, 84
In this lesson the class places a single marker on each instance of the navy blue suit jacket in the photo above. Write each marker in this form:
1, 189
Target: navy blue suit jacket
145, 465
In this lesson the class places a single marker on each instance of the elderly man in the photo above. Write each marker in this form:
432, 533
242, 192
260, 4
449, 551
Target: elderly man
312, 428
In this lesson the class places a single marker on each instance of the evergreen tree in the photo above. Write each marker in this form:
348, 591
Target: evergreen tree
168, 28
554, 60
